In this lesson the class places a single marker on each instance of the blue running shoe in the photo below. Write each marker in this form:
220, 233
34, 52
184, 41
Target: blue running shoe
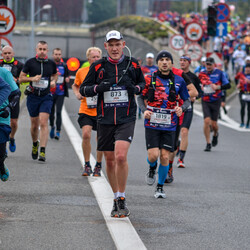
242, 125
57, 136
247, 126
5, 176
52, 132
12, 145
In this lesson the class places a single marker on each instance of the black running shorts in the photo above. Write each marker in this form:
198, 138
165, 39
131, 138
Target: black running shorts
211, 109
84, 120
187, 119
160, 139
15, 111
107, 135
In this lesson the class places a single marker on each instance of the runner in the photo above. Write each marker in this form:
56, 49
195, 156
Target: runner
116, 79
59, 92
213, 82
161, 116
87, 114
42, 75
185, 62
15, 67
9, 98
244, 95
201, 67
149, 68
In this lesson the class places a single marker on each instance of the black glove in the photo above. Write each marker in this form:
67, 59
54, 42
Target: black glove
131, 88
103, 86
5, 112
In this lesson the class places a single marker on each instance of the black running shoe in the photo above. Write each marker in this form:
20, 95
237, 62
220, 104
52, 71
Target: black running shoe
97, 171
208, 147
42, 157
34, 152
215, 140
122, 207
114, 212
87, 170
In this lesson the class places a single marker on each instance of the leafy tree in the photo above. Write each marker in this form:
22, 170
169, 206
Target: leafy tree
101, 10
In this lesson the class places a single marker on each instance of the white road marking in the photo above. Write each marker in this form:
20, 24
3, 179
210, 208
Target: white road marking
226, 121
122, 231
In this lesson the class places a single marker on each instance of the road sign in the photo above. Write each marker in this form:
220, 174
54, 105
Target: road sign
216, 56
223, 12
194, 32
177, 42
221, 29
7, 20
73, 64
4, 41
194, 50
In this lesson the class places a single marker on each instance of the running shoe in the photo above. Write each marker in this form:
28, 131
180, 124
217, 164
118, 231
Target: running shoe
34, 152
57, 136
215, 140
5, 176
42, 157
247, 126
159, 192
242, 125
12, 145
114, 212
52, 132
150, 176
208, 147
170, 177
97, 171
122, 207
87, 171
180, 164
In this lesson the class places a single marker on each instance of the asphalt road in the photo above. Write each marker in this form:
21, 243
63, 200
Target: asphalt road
51, 206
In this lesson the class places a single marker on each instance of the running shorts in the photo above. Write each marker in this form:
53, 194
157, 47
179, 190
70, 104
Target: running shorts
160, 139
84, 120
39, 104
211, 109
108, 134
15, 111
188, 116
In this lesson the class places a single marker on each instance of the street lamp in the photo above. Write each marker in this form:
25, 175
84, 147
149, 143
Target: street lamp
32, 18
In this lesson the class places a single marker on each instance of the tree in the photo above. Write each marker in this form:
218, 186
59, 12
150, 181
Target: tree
101, 10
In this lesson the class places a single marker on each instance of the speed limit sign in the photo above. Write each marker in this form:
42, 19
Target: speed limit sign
177, 42
194, 50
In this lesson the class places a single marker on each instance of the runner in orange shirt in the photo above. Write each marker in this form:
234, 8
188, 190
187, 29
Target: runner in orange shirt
87, 114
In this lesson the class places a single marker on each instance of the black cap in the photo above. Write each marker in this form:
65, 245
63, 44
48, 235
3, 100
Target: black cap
164, 53
210, 60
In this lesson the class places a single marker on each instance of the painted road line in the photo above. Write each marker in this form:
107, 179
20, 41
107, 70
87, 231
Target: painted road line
121, 230
226, 121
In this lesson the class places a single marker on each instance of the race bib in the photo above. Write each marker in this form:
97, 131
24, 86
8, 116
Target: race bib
161, 117
116, 97
208, 90
92, 102
246, 97
8, 67
42, 84
60, 80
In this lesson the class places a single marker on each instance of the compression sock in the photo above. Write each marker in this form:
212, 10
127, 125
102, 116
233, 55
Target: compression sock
162, 174
182, 154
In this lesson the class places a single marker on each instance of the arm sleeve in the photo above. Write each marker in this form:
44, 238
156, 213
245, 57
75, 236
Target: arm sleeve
141, 103
186, 105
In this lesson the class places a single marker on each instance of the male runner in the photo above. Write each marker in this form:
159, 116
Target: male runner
149, 67
59, 92
213, 82
116, 79
161, 116
87, 114
42, 75
15, 67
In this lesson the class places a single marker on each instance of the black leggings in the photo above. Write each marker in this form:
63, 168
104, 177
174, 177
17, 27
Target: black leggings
242, 110
2, 156
58, 103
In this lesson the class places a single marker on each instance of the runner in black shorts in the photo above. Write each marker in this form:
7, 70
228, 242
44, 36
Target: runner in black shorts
116, 79
15, 67
42, 75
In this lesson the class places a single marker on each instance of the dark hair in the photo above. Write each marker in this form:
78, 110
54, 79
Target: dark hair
247, 65
42, 42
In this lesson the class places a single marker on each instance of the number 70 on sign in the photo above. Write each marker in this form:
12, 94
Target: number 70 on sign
177, 42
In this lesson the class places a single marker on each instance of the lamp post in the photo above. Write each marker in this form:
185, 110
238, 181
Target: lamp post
32, 20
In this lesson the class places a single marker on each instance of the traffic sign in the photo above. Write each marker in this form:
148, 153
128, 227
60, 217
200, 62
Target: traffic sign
194, 32
4, 41
194, 50
73, 64
218, 58
7, 20
177, 42
223, 12
221, 29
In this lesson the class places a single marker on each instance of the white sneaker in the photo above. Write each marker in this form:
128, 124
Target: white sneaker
159, 192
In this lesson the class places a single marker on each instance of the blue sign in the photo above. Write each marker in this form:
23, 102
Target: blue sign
221, 29
223, 12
